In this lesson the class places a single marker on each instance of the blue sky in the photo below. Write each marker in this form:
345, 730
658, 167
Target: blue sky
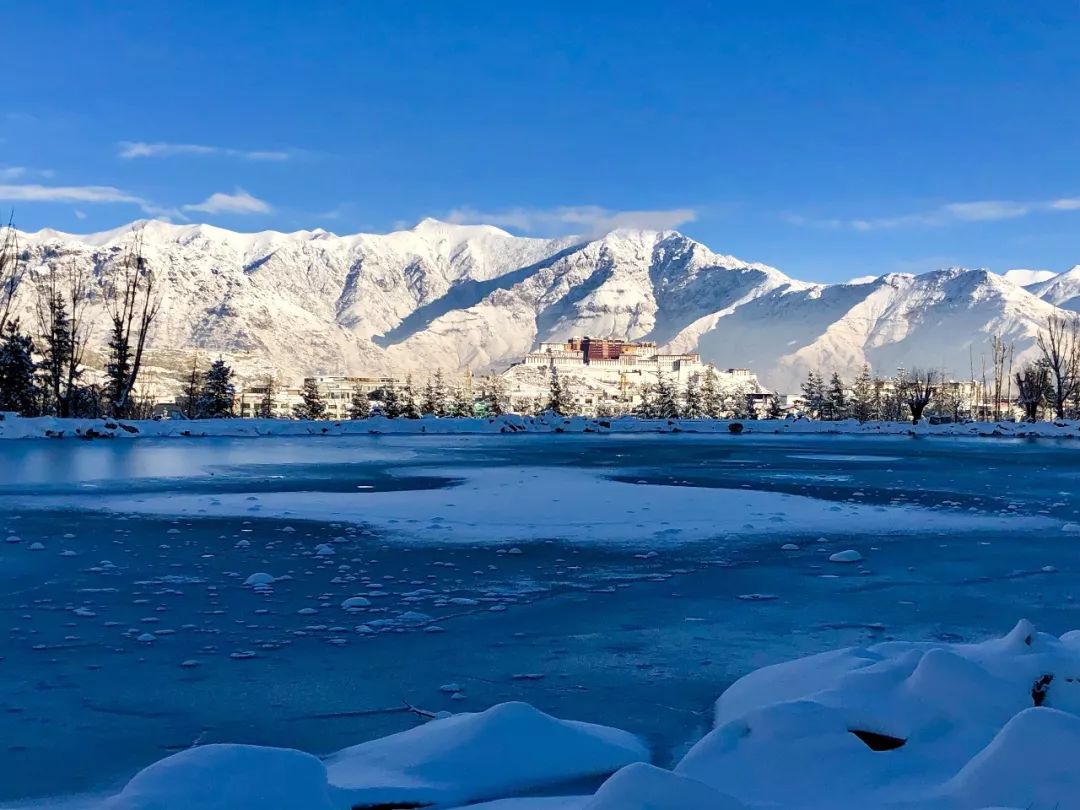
831, 139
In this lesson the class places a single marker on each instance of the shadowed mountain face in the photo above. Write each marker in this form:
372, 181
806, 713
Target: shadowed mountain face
455, 297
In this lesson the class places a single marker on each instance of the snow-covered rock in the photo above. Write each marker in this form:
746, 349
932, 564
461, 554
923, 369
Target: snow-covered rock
899, 724
510, 748
229, 777
892, 726
647, 787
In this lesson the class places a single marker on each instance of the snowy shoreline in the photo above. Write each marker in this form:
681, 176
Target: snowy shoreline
15, 427
900, 725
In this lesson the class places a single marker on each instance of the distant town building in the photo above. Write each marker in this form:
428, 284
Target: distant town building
251, 401
609, 375
336, 391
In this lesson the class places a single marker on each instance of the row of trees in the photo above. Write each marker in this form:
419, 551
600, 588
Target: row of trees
42, 363
700, 398
868, 397
1047, 386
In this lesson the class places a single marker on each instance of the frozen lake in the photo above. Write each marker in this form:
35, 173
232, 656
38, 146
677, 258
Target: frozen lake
617, 579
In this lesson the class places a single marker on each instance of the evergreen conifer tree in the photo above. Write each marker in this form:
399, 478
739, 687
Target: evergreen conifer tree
493, 395
862, 395
313, 406
217, 395
666, 403
359, 405
712, 402
17, 387
461, 404
693, 406
813, 391
409, 406
836, 398
775, 410
559, 401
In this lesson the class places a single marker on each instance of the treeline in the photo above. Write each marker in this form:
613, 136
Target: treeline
701, 397
42, 363
1047, 387
211, 394
871, 398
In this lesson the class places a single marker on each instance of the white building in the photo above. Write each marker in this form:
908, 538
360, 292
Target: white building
609, 375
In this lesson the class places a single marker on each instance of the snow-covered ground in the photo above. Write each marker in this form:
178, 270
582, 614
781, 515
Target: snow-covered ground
14, 427
892, 725
256, 615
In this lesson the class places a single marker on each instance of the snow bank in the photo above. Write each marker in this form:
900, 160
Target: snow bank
14, 427
509, 748
893, 726
229, 777
649, 788
904, 724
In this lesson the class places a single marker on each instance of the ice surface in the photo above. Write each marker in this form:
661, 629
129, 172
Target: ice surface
639, 629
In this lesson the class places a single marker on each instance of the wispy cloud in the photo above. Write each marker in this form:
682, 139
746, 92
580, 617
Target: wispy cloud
68, 194
944, 215
587, 220
239, 202
141, 149
10, 173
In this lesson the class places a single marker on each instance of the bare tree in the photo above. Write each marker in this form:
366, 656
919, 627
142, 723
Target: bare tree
1031, 385
266, 405
1059, 344
62, 298
12, 269
189, 400
918, 390
1002, 371
132, 303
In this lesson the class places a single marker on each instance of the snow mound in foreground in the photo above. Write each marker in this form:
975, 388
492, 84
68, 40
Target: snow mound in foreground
904, 725
509, 748
228, 777
892, 726
649, 788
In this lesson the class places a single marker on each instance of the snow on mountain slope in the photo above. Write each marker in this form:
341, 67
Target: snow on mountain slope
451, 296
939, 319
1062, 290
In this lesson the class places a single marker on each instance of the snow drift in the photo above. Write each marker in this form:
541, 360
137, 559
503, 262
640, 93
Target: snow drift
896, 725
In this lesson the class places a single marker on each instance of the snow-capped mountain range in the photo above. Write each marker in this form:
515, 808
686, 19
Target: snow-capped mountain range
454, 296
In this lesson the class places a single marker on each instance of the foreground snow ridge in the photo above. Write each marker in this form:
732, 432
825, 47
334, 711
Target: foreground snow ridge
893, 725
47, 427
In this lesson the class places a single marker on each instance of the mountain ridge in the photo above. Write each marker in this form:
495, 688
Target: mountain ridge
450, 296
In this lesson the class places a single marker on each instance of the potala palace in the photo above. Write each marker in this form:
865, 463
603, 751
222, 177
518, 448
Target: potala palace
603, 375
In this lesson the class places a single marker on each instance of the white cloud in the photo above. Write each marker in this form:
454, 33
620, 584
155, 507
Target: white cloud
68, 194
93, 195
947, 214
9, 173
141, 149
239, 202
987, 210
587, 220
